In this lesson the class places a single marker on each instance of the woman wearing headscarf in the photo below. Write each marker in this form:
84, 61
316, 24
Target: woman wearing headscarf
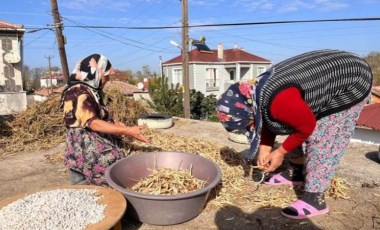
315, 98
92, 142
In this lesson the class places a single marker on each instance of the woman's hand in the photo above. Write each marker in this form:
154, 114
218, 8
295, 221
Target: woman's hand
264, 152
261, 159
118, 128
135, 132
274, 159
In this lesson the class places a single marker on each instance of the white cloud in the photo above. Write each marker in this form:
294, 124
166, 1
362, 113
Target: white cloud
206, 2
256, 5
329, 5
294, 5
95, 5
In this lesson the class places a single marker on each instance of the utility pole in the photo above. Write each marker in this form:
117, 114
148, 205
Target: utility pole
185, 59
60, 39
161, 71
51, 77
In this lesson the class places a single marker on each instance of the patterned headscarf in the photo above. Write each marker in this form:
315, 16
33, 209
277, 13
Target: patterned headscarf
239, 110
90, 71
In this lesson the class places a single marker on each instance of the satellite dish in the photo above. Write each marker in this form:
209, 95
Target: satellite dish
140, 85
12, 58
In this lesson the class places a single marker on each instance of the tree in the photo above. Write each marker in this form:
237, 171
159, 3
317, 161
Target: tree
37, 73
165, 99
138, 76
122, 75
373, 59
169, 100
196, 98
208, 106
26, 78
146, 73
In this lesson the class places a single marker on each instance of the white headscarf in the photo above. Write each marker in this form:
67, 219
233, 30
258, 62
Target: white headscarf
91, 70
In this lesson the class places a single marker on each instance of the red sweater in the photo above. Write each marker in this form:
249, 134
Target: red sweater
289, 108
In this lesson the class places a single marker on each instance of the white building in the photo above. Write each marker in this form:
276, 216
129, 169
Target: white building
212, 72
12, 96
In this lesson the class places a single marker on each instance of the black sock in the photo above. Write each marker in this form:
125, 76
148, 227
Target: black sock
294, 172
315, 199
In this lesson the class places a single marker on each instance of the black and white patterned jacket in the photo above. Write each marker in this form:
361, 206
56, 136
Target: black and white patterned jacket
330, 81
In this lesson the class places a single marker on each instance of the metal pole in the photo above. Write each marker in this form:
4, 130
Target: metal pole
185, 60
161, 71
60, 39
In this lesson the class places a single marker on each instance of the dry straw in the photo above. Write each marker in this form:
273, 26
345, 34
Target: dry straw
41, 127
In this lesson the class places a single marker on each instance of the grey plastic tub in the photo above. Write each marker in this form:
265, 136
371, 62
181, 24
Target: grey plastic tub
163, 209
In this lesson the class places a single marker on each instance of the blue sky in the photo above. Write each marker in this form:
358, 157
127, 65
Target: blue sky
132, 49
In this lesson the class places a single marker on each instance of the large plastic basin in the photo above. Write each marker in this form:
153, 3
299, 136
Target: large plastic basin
163, 209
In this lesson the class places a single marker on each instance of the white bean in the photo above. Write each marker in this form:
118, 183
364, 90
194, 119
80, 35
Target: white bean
66, 209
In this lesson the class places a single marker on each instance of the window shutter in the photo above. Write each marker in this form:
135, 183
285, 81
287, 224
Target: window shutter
6, 44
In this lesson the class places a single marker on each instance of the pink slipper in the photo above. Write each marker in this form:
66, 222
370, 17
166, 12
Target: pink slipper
277, 179
301, 207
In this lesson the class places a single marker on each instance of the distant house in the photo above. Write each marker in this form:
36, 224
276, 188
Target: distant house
12, 96
212, 72
368, 125
127, 89
43, 94
52, 80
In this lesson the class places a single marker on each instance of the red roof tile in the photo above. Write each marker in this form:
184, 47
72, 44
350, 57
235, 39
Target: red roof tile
47, 91
124, 87
369, 117
59, 77
230, 55
8, 25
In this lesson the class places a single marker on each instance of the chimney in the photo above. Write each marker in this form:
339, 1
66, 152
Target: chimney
220, 51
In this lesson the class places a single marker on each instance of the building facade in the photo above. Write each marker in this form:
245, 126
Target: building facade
212, 72
12, 95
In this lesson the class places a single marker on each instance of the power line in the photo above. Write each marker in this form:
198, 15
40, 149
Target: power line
107, 36
228, 24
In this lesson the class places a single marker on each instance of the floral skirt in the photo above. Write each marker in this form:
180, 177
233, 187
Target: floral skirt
326, 145
90, 153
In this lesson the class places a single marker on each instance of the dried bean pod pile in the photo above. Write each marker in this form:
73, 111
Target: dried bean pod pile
168, 182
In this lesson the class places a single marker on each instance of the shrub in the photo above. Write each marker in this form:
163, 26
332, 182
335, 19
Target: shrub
169, 100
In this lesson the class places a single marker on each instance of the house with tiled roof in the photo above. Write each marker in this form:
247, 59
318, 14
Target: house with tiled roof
12, 96
52, 80
44, 93
368, 125
123, 87
127, 89
212, 72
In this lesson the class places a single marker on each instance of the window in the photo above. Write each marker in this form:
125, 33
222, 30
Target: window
6, 44
260, 70
212, 80
177, 76
232, 75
